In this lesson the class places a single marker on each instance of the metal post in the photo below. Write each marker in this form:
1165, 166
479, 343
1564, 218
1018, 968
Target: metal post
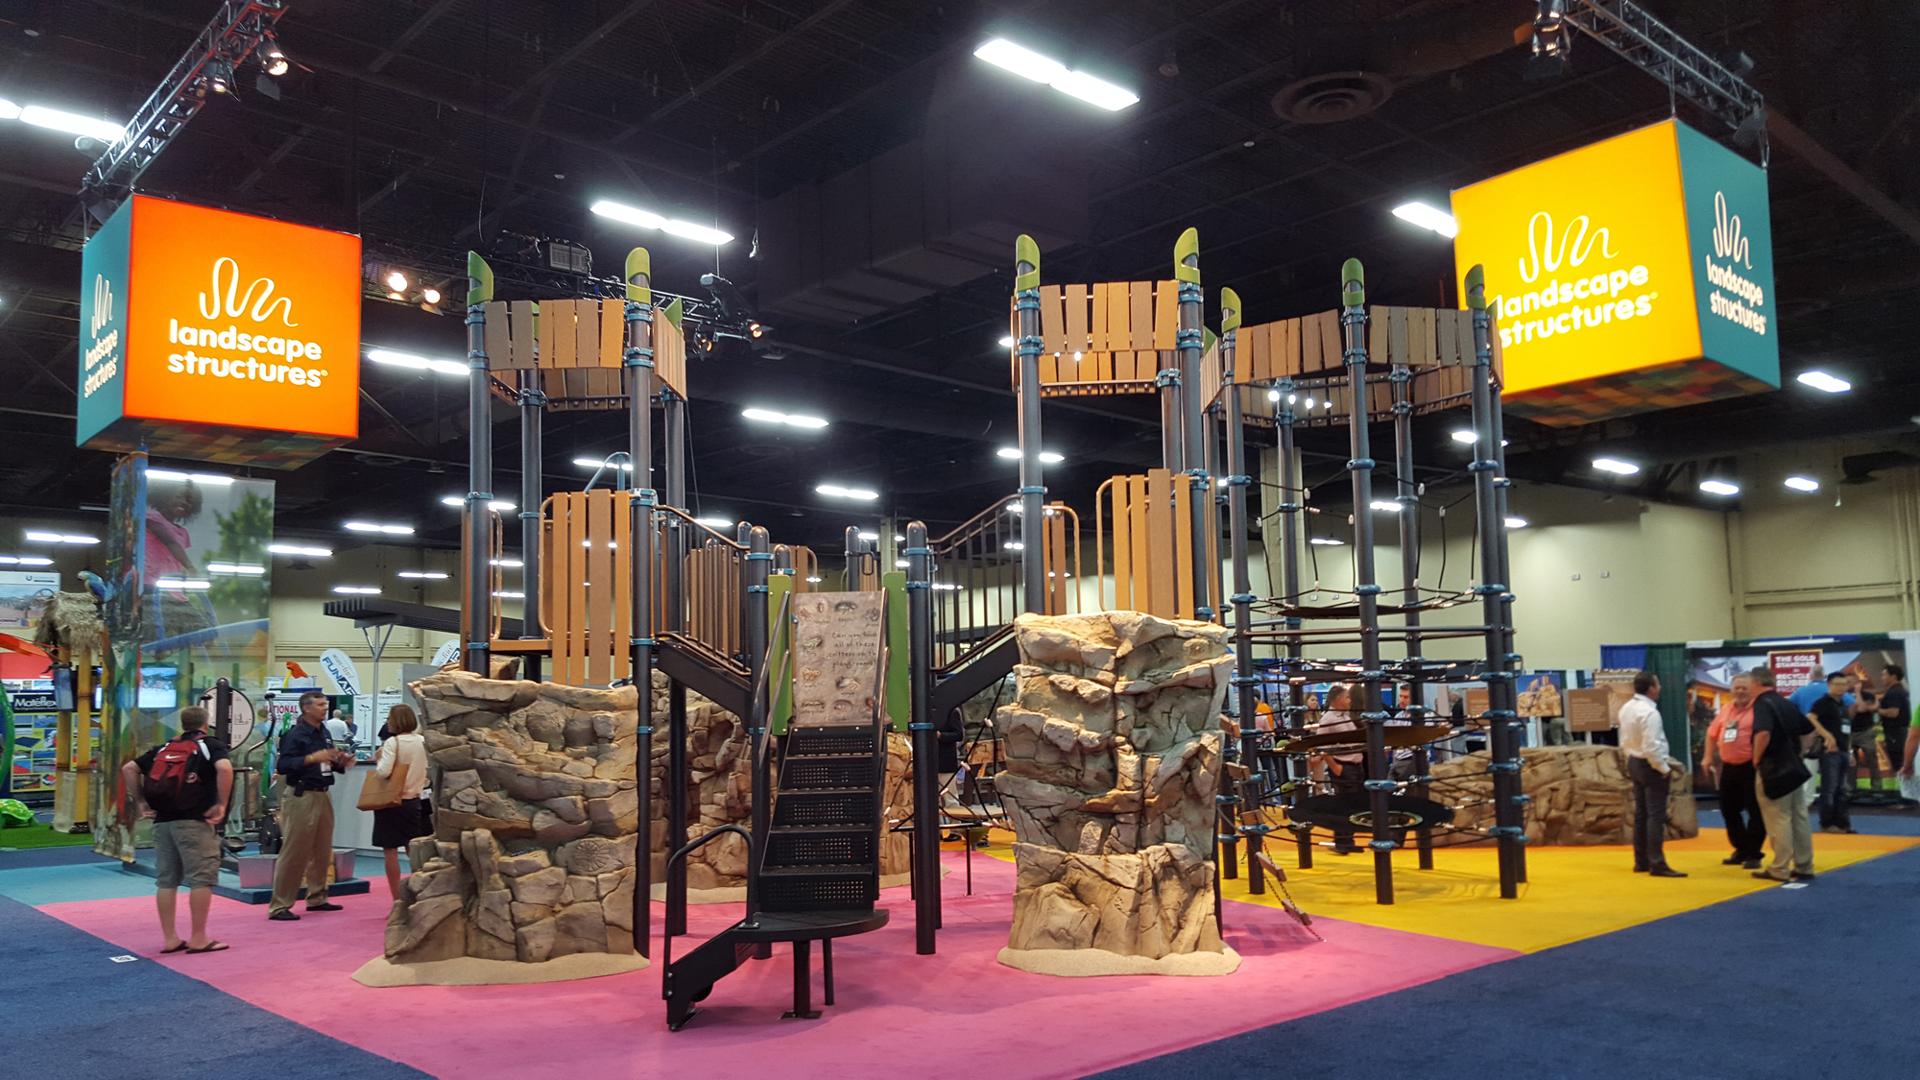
1292, 506
1189, 339
926, 773
674, 586
1252, 793
1360, 466
1033, 488
475, 598
638, 361
854, 548
1501, 484
754, 569
532, 400
1407, 495
1505, 764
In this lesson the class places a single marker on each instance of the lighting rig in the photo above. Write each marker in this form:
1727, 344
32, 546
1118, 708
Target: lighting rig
241, 33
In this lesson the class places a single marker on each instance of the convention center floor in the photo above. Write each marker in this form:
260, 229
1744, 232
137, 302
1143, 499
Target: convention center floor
1593, 972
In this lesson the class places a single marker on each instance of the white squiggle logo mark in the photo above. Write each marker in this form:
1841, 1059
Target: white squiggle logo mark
1728, 243
257, 303
1575, 244
102, 305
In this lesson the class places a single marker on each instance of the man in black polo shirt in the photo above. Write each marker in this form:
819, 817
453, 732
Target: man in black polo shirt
307, 762
189, 793
1831, 718
1896, 713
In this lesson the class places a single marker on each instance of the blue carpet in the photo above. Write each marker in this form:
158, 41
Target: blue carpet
99, 880
74, 1012
1788, 983
53, 856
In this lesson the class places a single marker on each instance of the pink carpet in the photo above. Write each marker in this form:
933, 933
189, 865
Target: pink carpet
893, 1006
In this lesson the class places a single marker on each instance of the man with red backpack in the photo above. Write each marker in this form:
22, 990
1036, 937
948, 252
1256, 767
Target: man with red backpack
183, 785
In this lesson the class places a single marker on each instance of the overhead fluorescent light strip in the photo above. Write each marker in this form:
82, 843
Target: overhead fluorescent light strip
647, 219
301, 549
1039, 68
1615, 466
396, 358
25, 560
39, 537
376, 527
1823, 381
774, 416
839, 491
236, 569
1428, 217
203, 478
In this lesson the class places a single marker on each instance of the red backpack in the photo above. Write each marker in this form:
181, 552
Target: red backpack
172, 783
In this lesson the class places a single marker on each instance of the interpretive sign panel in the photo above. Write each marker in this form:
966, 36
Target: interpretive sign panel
836, 654
1590, 709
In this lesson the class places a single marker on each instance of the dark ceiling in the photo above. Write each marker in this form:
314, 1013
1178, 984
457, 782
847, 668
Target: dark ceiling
882, 172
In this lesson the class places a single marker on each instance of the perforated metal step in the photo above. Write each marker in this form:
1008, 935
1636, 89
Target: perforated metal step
820, 847
830, 742
824, 807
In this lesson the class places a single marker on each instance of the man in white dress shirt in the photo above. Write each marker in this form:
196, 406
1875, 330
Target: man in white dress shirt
1643, 736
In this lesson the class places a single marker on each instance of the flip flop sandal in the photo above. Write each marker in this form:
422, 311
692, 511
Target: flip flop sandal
212, 946
177, 946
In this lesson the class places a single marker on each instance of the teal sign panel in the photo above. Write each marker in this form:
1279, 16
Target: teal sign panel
1730, 235
104, 266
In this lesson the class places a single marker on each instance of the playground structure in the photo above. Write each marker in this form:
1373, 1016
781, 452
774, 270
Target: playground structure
623, 582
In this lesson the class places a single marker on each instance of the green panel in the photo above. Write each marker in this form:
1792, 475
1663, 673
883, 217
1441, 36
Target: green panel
105, 265
780, 707
899, 690
1730, 240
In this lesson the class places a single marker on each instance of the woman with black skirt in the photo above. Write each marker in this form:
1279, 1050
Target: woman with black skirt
396, 826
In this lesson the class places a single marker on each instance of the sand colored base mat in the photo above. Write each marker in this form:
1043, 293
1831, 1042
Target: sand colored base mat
473, 971
1087, 963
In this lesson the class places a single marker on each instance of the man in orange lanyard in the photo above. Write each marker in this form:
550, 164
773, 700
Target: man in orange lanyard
1729, 763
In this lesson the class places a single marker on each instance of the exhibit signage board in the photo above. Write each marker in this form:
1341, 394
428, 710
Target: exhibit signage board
1630, 274
218, 336
1793, 668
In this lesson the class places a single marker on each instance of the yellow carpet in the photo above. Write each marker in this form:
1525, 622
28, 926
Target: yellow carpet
1571, 892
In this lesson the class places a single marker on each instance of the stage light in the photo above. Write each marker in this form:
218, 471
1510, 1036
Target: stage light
105, 131
395, 358
430, 295
357, 590
304, 550
1028, 64
774, 416
272, 60
397, 281
1823, 381
1464, 436
1720, 487
647, 219
838, 491
1428, 217
1802, 483
1615, 466
1006, 342
376, 527
219, 76
423, 575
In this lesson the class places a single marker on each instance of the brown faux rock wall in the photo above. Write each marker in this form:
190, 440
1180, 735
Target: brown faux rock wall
1113, 757
535, 813
1580, 795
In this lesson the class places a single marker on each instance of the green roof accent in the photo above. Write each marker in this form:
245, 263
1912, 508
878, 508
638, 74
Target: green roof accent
1229, 311
479, 279
1186, 256
1477, 287
675, 311
1353, 283
1026, 253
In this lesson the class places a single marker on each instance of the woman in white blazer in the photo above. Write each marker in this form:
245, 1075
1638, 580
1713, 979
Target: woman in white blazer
396, 826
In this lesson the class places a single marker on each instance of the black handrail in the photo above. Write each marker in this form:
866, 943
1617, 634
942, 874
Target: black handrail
686, 849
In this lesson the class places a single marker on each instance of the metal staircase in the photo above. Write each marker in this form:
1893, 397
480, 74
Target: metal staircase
813, 871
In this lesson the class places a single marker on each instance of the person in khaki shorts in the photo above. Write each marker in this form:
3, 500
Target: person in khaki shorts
307, 761
183, 785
